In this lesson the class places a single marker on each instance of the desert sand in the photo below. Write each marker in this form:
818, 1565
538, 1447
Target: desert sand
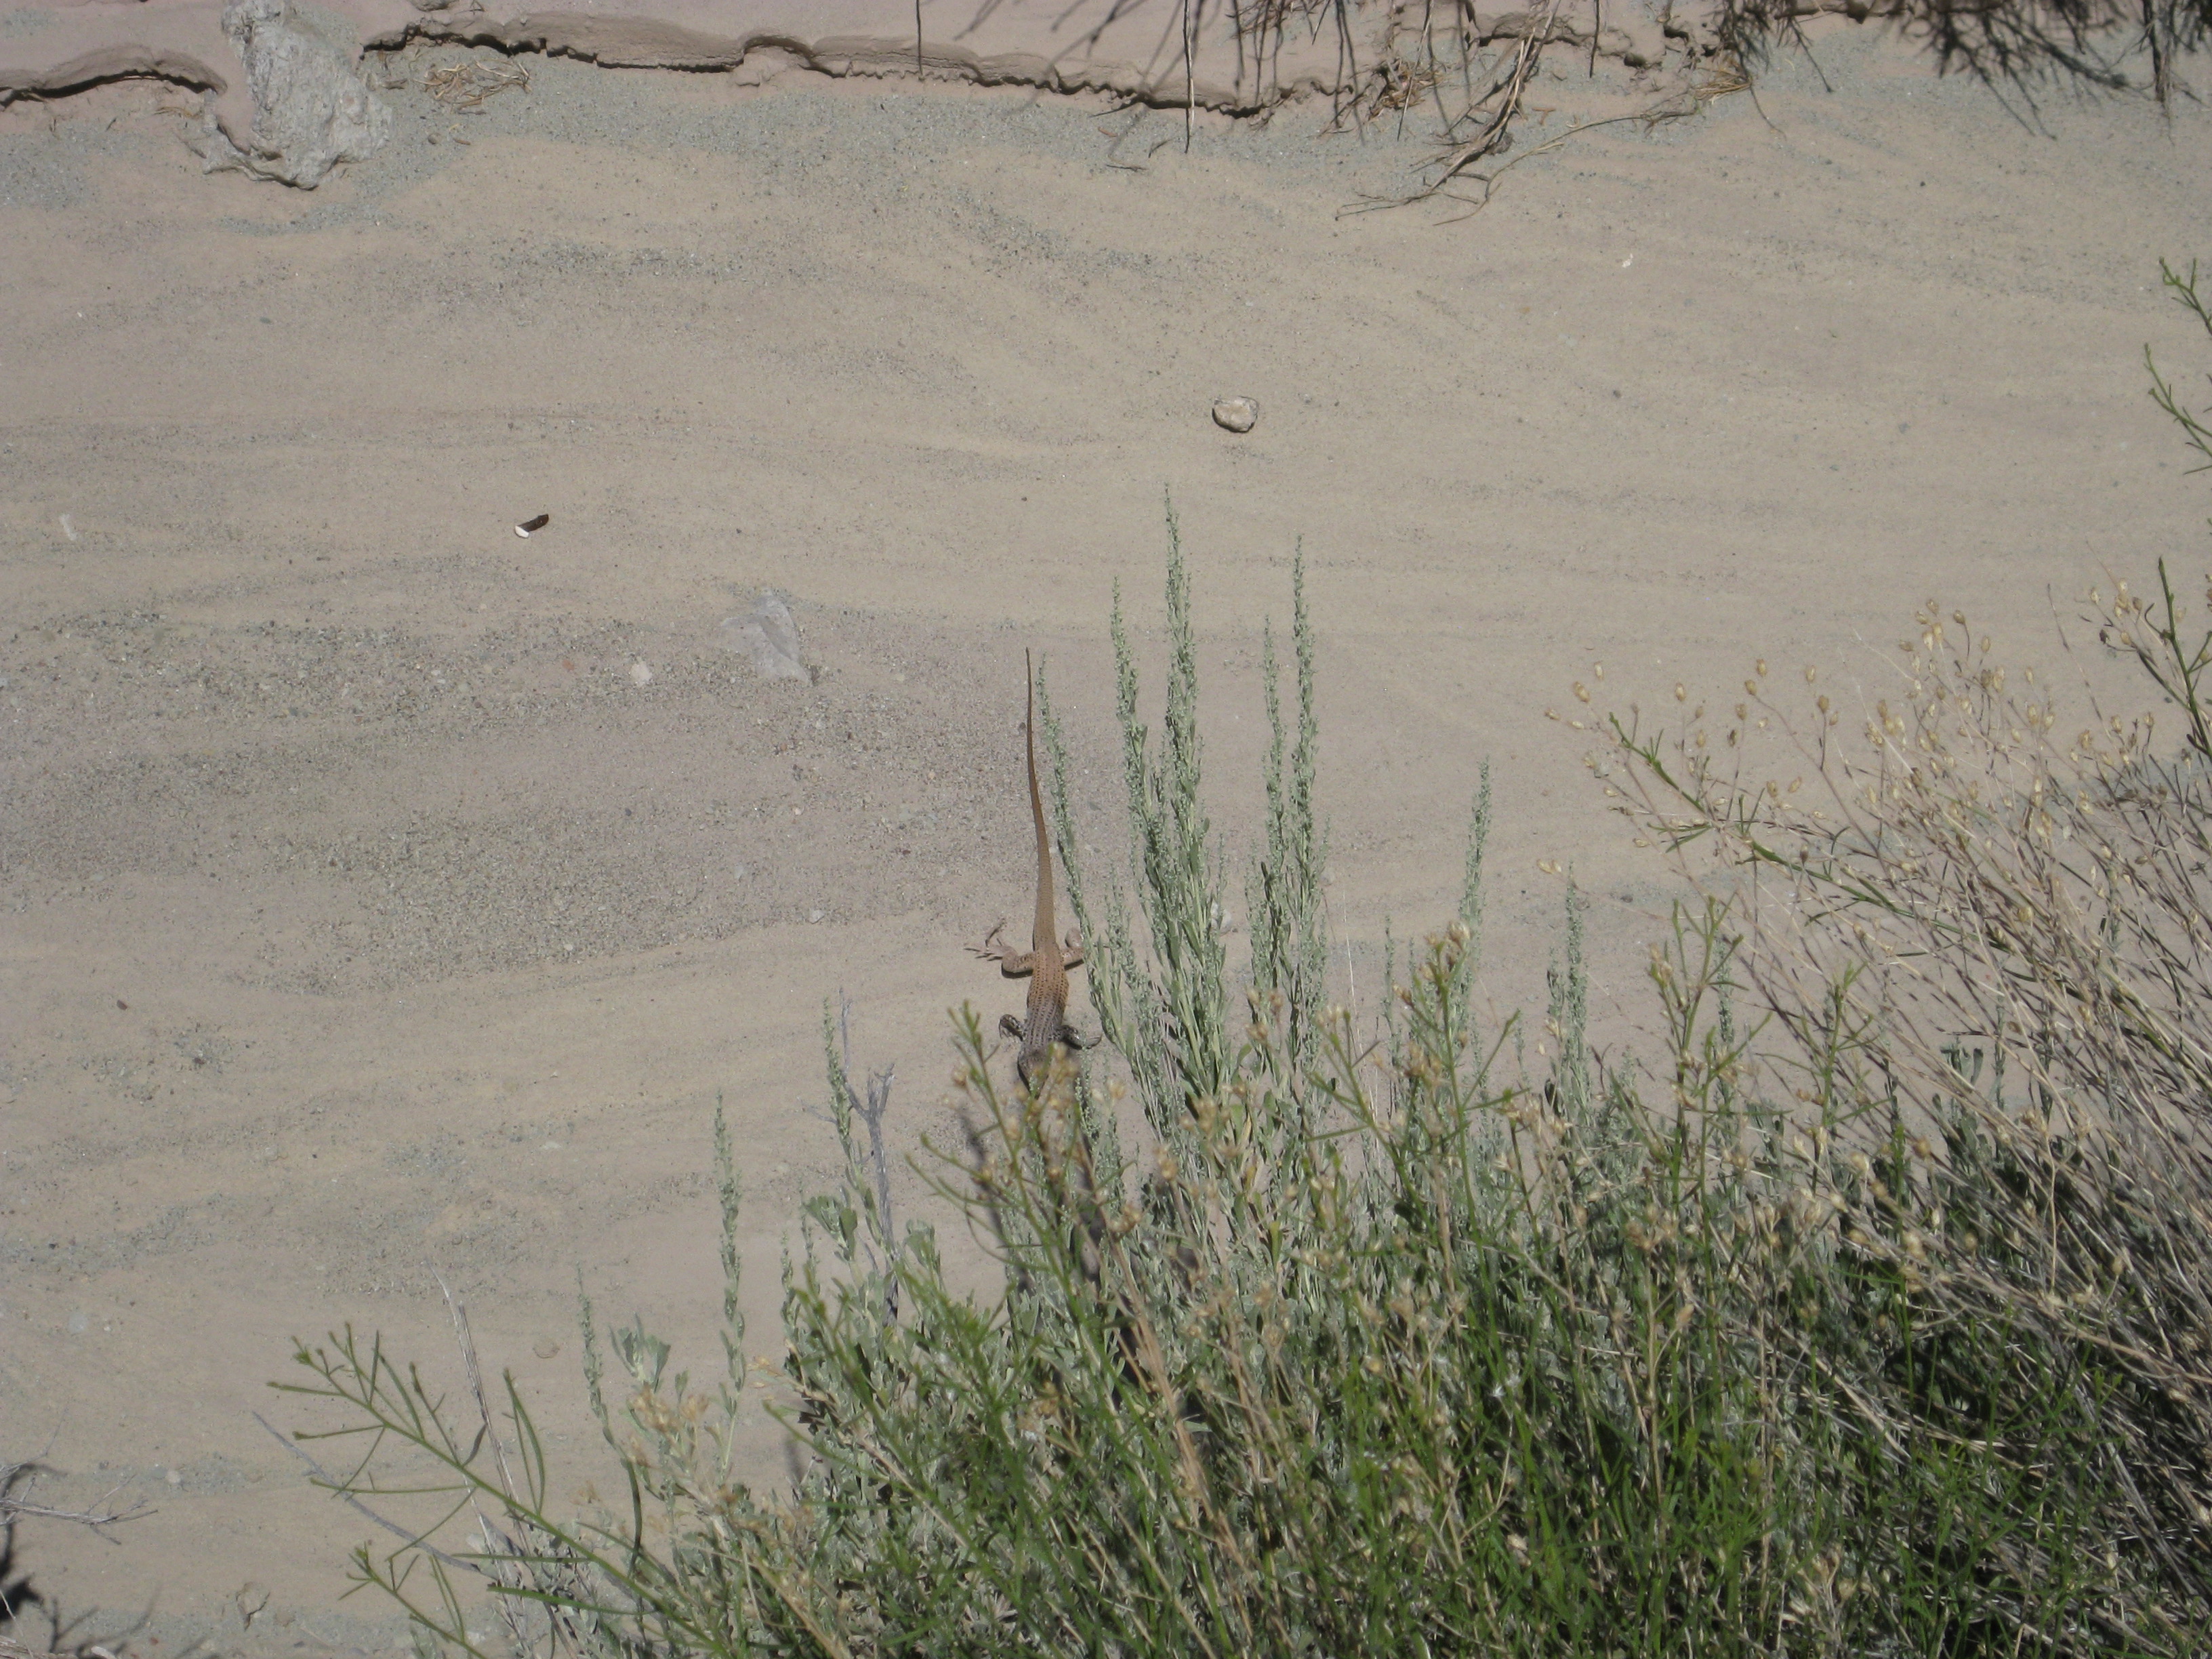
383, 894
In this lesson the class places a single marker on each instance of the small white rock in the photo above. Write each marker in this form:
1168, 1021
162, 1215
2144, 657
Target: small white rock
639, 674
816, 915
1236, 414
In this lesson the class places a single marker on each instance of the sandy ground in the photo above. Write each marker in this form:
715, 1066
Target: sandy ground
361, 912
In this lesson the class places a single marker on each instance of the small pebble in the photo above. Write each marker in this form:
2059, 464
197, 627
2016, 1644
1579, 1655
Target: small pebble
639, 674
545, 1348
1236, 414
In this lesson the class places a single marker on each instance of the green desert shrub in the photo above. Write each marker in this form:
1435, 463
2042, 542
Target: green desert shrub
1864, 1311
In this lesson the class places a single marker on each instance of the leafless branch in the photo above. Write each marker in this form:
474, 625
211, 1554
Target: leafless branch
98, 1516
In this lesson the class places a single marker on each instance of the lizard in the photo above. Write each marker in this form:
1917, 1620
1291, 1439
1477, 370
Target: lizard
1046, 964
1048, 959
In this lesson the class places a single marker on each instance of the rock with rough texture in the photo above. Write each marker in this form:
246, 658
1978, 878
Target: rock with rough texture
768, 639
1236, 414
311, 110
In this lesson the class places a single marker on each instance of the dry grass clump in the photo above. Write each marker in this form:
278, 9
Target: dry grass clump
2017, 42
1466, 75
1985, 943
1978, 956
472, 81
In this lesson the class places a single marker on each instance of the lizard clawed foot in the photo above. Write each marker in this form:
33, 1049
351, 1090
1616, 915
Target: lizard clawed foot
1014, 964
1011, 1025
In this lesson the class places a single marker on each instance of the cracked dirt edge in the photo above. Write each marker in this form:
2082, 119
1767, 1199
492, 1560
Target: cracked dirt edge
1235, 78
644, 41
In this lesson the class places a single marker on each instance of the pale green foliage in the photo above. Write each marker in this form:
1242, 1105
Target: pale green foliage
1802, 1332
1164, 1006
1282, 893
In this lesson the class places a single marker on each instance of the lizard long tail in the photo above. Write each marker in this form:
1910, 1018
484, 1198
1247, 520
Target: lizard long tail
1046, 930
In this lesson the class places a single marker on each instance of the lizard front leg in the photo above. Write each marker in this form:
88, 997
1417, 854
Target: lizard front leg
1012, 964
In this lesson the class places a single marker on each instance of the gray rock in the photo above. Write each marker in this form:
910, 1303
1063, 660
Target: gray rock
768, 639
311, 110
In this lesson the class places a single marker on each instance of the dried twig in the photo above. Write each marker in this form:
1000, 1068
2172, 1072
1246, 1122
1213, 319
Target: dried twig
1189, 72
98, 1516
1681, 106
496, 1539
466, 84
1493, 135
468, 1347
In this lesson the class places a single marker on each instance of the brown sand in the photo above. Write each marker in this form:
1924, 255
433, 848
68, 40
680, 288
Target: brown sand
359, 913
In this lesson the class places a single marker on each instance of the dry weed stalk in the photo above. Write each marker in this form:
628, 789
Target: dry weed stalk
21, 1478
1728, 76
1493, 93
1495, 111
1989, 950
1477, 74
2017, 43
